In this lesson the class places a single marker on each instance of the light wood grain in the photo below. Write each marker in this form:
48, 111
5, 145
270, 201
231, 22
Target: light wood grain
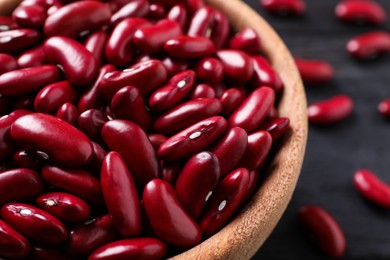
247, 232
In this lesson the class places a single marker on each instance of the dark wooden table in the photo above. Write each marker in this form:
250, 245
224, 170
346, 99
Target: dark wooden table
335, 153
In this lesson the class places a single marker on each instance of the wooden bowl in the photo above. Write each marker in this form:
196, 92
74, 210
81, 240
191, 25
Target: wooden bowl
242, 237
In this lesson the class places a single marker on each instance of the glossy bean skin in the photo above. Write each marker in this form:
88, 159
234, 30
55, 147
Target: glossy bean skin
25, 159
120, 195
254, 109
186, 114
277, 127
17, 40
86, 238
190, 47
97, 160
79, 65
7, 63
231, 99
220, 30
197, 181
246, 40
27, 80
324, 230
179, 14
237, 65
34, 223
167, 217
314, 71
68, 113
131, 142
49, 5
170, 171
156, 12
360, 11
39, 132
31, 16
284, 7
265, 75
210, 70
137, 9
384, 107
173, 92
230, 148
225, 201
73, 19
152, 38
32, 57
12, 244
192, 139
11, 182
78, 182
174, 66
201, 21
202, 91
135, 76
128, 104
156, 140
330, 111
372, 188
91, 122
135, 248
96, 43
257, 150
369, 45
7, 23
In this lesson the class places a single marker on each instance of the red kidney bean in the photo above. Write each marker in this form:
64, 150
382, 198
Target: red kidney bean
194, 5
11, 182
68, 113
95, 164
156, 140
174, 66
384, 107
225, 201
50, 98
135, 248
330, 111
96, 43
170, 171
17, 40
48, 5
120, 195
152, 38
91, 122
27, 80
210, 70
259, 146
131, 142
276, 126
369, 45
25, 159
64, 206
173, 92
202, 22
79, 65
7, 63
86, 238
202, 91
128, 104
34, 223
324, 230
78, 182
32, 57
167, 217
7, 23
192, 139
186, 114
136, 8
220, 30
254, 178
31, 16
156, 12
246, 40
372, 188
179, 14
230, 100
314, 71
230, 148
135, 76
120, 49
265, 75
12, 244
189, 47
76, 18
254, 109
167, 3
237, 65
284, 7
360, 11
53, 139
197, 181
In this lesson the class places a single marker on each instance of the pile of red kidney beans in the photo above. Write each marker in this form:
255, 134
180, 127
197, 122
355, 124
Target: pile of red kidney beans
130, 127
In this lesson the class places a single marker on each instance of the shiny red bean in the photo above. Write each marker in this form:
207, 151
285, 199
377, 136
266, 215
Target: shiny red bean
156, 12
53, 139
120, 195
34, 223
68, 113
372, 188
131, 142
128, 104
314, 71
202, 91
284, 7
167, 217
190, 47
179, 14
237, 65
265, 75
192, 139
32, 57
78, 182
91, 122
210, 70
254, 109
156, 140
25, 159
361, 11
170, 171
86, 238
135, 248
7, 23
12, 244
49, 5
95, 164
96, 43
330, 111
324, 230
18, 40
246, 40
220, 30
79, 65
27, 80
30, 16
201, 22
277, 126
64, 206
76, 18
231, 99
384, 107
7, 63
136, 8
369, 45
225, 201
